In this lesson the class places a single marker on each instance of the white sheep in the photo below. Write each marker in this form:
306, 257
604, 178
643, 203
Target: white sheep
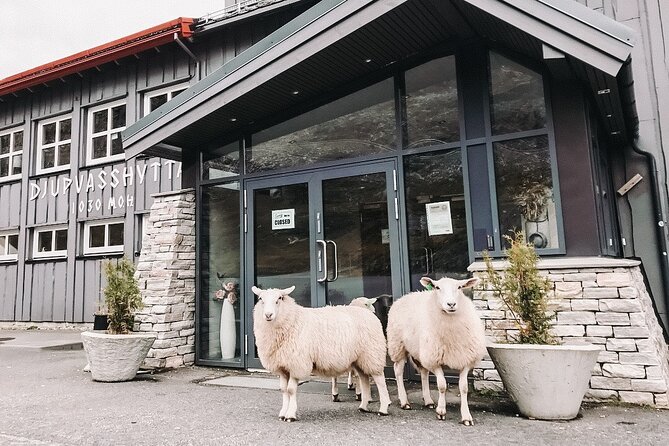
294, 342
363, 302
436, 328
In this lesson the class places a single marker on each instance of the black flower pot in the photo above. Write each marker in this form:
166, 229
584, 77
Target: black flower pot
100, 322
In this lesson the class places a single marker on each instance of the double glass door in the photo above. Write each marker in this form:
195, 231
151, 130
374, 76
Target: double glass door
333, 234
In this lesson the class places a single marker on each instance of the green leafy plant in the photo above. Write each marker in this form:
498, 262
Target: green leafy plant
122, 296
523, 291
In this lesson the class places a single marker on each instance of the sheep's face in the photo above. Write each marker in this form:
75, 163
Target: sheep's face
271, 300
364, 302
448, 291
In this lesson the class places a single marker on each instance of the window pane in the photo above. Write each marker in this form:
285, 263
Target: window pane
13, 244
61, 240
18, 141
16, 164
525, 198
48, 157
118, 116
222, 162
100, 121
65, 130
4, 167
516, 96
359, 124
96, 237
117, 145
99, 147
63, 154
44, 241
116, 234
176, 92
3, 244
157, 101
5, 144
49, 133
432, 103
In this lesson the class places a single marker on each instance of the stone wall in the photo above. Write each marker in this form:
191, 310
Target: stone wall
600, 301
166, 275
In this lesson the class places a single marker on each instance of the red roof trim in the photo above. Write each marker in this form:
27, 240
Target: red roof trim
117, 49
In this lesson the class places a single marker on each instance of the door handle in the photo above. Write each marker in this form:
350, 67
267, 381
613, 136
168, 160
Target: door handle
336, 263
427, 260
323, 255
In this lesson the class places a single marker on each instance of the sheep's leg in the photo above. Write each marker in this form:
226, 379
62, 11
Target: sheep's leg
425, 385
399, 377
366, 391
384, 398
335, 390
441, 384
291, 390
466, 417
351, 386
356, 387
283, 383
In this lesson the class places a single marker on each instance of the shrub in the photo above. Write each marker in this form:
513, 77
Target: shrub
122, 296
523, 291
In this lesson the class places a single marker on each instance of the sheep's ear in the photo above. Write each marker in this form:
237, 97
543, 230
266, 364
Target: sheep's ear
469, 282
426, 282
371, 300
256, 290
287, 291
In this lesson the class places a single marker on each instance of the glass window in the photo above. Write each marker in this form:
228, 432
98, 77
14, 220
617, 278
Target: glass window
11, 150
432, 103
51, 242
105, 124
53, 150
102, 237
525, 192
516, 97
362, 123
220, 305
222, 162
9, 245
156, 98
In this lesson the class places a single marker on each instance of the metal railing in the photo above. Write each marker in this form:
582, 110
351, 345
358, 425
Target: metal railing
239, 8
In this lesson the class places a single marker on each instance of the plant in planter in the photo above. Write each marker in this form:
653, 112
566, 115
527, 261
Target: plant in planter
117, 354
546, 380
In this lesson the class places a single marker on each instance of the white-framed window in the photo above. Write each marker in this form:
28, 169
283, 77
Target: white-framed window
11, 154
102, 237
54, 142
50, 242
105, 124
9, 245
156, 98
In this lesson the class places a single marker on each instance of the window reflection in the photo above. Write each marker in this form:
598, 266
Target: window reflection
222, 162
362, 123
516, 96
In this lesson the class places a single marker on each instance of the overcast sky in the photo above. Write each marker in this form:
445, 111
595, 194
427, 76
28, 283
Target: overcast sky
35, 32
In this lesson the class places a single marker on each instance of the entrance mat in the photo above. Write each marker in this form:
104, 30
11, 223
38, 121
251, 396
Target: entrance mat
257, 382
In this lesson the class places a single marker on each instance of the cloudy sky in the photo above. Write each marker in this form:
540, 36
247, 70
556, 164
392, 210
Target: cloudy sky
35, 32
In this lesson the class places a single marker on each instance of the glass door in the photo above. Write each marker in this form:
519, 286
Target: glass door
332, 233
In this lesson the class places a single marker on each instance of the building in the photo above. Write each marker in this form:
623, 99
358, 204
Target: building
349, 148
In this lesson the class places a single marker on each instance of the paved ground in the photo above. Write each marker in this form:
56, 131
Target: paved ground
46, 399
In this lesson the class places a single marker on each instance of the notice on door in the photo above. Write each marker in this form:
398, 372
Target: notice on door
283, 219
439, 220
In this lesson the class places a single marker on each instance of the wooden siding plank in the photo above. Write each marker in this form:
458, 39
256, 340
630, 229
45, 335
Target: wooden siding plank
59, 291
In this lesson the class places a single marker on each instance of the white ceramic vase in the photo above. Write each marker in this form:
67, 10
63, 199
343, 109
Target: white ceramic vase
228, 331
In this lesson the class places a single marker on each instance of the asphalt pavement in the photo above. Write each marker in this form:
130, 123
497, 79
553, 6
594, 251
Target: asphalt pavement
47, 399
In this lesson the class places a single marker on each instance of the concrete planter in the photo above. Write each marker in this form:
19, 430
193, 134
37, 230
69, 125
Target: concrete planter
113, 357
547, 382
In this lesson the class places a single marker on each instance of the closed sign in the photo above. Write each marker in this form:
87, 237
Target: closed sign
283, 219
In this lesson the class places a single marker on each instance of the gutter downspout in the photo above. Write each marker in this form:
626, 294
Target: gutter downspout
190, 54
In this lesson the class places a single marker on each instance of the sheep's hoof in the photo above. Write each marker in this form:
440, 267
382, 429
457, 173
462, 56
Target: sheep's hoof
429, 406
363, 410
282, 418
468, 422
351, 387
335, 398
290, 420
358, 397
383, 414
441, 417
406, 406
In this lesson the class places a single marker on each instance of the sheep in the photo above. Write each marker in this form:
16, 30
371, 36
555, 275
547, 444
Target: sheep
293, 341
363, 302
435, 328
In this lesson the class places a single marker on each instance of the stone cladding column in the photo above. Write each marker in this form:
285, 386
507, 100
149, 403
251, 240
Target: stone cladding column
166, 275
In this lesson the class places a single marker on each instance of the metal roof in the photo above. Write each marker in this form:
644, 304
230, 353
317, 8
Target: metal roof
329, 44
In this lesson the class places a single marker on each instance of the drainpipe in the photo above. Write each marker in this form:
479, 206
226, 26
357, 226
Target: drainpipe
659, 225
190, 54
